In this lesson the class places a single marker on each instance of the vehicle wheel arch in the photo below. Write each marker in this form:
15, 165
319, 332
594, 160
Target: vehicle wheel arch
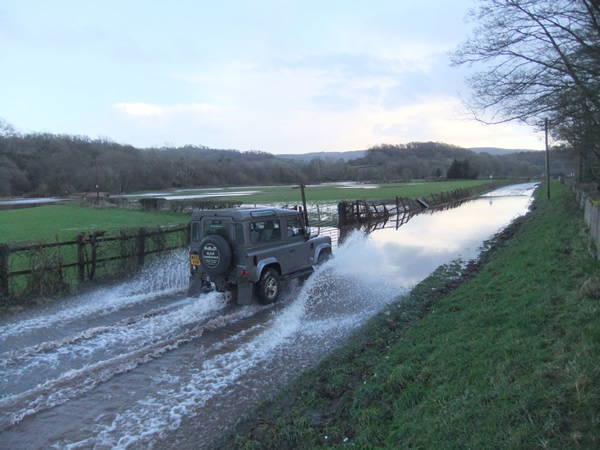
323, 253
265, 264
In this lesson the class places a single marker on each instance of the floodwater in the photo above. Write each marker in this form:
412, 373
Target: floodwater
29, 202
170, 196
139, 364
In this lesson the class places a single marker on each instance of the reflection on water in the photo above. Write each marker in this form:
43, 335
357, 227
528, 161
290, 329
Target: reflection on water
429, 240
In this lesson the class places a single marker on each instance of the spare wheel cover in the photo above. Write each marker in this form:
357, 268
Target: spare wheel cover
215, 254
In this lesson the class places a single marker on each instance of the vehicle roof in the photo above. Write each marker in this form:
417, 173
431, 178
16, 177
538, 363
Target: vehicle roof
244, 213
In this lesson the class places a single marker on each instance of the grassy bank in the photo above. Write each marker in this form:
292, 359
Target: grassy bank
506, 355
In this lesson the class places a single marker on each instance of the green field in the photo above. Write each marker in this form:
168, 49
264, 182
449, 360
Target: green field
66, 221
334, 192
508, 358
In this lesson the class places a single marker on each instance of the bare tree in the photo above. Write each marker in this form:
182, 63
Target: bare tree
539, 59
6, 129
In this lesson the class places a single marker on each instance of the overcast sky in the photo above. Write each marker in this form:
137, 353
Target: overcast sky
281, 76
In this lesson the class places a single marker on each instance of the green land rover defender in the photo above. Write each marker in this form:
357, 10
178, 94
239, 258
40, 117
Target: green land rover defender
250, 251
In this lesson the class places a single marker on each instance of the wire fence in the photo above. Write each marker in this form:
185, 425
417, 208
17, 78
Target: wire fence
45, 268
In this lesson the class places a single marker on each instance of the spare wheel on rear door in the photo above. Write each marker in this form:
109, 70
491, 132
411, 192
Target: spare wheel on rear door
215, 254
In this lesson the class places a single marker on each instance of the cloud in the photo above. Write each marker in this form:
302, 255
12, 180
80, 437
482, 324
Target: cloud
139, 109
145, 109
266, 117
336, 82
251, 76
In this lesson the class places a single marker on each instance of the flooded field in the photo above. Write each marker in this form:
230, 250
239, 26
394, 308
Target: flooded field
141, 365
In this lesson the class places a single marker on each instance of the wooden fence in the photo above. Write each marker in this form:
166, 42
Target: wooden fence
45, 268
355, 212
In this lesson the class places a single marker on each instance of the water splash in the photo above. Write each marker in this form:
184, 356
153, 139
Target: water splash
315, 318
162, 277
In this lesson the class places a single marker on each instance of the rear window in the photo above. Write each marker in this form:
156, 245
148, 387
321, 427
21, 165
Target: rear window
216, 226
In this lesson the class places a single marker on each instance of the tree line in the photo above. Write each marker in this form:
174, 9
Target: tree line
43, 164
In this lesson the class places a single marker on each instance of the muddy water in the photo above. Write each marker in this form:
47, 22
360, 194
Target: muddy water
140, 364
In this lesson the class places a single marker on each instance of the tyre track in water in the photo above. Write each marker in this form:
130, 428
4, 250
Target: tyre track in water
74, 383
14, 356
55, 371
196, 353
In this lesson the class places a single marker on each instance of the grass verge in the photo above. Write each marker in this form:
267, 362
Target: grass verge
503, 355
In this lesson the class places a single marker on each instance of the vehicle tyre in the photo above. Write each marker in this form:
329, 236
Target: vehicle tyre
268, 287
215, 254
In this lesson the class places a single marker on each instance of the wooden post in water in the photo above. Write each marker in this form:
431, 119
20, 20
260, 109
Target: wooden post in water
342, 214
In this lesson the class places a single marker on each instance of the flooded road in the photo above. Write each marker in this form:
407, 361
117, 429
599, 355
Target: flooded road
141, 365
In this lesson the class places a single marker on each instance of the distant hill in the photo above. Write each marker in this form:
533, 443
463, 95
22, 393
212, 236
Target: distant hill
326, 156
354, 154
499, 151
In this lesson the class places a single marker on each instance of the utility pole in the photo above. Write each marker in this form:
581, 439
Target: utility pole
97, 187
547, 163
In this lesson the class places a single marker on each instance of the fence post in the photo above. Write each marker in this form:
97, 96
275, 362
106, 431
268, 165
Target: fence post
60, 261
81, 256
126, 253
4, 270
141, 244
94, 256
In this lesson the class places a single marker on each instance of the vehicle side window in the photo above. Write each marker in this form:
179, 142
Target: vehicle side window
195, 231
265, 231
239, 233
294, 227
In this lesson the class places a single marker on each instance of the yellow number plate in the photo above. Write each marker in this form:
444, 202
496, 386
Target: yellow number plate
195, 260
